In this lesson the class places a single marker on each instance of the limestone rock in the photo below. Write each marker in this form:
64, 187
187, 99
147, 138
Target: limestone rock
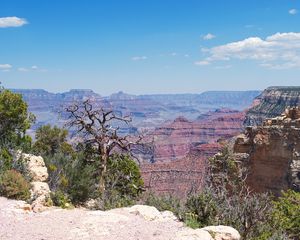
39, 189
36, 167
222, 232
149, 213
193, 234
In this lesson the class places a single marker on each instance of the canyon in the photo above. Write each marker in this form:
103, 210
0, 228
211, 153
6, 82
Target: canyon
186, 129
181, 150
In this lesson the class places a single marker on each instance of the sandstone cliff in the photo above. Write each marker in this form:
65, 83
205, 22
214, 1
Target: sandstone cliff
273, 153
271, 103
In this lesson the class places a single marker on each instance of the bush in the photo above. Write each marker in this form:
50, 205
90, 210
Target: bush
226, 200
286, 213
13, 185
60, 199
123, 175
81, 181
124, 183
70, 175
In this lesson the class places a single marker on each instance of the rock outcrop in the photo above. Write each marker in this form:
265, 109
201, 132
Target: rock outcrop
132, 223
273, 152
40, 192
271, 103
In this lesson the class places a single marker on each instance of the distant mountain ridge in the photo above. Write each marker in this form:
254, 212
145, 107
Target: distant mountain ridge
147, 111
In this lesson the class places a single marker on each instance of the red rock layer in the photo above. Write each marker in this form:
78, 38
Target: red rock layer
182, 149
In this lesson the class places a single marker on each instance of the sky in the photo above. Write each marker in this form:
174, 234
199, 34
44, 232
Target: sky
149, 46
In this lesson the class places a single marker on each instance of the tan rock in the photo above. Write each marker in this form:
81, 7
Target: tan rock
222, 232
193, 234
149, 213
36, 167
39, 189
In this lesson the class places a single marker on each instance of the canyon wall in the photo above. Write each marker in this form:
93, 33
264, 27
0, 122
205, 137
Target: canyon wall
271, 103
181, 150
273, 153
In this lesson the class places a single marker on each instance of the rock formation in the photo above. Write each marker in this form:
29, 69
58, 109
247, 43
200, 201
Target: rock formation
271, 103
40, 192
273, 152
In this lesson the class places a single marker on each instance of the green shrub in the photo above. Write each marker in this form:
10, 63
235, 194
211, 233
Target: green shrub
81, 182
123, 175
60, 199
191, 220
112, 198
6, 160
13, 185
203, 207
286, 213
124, 183
69, 174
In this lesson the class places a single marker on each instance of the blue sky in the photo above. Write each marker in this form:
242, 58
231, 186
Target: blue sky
149, 46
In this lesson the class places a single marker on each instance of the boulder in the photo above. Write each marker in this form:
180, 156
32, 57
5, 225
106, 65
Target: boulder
222, 232
150, 213
192, 234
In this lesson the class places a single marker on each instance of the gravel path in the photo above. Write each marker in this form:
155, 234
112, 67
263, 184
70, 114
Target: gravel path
56, 224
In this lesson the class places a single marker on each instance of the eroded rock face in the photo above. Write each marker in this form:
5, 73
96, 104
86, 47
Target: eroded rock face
271, 103
273, 152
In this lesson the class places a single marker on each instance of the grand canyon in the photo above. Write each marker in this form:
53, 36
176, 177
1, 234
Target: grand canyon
185, 129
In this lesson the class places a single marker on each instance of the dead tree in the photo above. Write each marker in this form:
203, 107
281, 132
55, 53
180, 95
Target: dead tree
100, 128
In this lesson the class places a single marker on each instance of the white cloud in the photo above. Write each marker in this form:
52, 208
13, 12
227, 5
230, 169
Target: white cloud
208, 36
293, 11
33, 68
281, 50
202, 63
22, 69
223, 67
173, 54
139, 58
5, 66
12, 22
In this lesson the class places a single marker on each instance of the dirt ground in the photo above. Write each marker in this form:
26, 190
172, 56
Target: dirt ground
56, 224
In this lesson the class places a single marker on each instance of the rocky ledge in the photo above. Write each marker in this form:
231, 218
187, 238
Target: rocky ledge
272, 152
136, 222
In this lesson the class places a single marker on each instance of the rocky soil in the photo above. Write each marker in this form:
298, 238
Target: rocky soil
139, 222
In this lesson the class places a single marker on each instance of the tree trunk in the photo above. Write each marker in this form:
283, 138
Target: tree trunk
103, 169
